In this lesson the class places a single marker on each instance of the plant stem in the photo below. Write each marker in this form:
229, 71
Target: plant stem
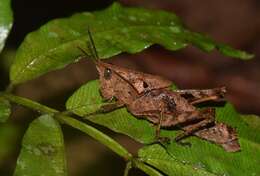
127, 168
93, 132
147, 169
98, 135
29, 103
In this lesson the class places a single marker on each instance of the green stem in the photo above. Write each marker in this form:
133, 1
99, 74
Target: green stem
93, 132
29, 103
147, 169
98, 135
127, 168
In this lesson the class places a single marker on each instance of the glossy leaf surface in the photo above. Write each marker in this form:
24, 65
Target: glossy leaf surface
116, 29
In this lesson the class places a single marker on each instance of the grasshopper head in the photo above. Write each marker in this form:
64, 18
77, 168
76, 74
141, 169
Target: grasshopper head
107, 80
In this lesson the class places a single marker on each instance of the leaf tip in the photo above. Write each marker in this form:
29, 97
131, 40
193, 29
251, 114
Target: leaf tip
229, 51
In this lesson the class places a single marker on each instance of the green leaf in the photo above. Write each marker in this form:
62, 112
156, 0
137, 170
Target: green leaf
42, 150
6, 21
202, 158
227, 50
252, 120
158, 157
5, 110
116, 29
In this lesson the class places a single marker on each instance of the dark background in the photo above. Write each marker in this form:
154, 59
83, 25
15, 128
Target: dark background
236, 22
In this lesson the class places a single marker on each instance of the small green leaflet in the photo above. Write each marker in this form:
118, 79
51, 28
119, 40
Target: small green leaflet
42, 149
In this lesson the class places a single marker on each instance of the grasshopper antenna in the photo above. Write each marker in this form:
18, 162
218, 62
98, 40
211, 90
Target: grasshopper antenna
86, 54
91, 47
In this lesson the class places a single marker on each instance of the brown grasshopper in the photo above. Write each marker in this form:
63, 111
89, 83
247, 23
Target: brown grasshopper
149, 96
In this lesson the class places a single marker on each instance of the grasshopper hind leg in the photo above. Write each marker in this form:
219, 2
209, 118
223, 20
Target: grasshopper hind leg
207, 116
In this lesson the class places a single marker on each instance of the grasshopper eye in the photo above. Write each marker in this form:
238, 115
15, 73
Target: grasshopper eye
107, 73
